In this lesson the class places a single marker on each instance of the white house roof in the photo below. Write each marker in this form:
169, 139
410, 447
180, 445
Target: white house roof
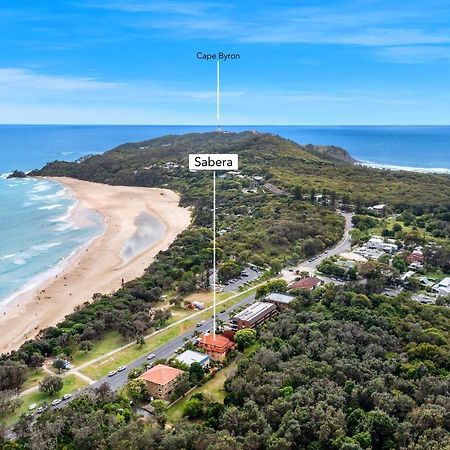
189, 356
445, 283
280, 298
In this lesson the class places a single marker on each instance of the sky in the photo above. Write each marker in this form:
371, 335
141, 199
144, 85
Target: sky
359, 62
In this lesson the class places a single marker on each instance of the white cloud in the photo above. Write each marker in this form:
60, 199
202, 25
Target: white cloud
415, 54
22, 80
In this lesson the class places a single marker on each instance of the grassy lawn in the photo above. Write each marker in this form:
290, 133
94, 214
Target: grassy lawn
33, 379
213, 388
71, 384
126, 356
112, 340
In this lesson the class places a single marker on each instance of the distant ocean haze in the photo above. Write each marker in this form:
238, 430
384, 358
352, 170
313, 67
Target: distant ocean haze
426, 147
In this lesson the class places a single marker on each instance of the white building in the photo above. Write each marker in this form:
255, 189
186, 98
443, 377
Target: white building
443, 287
189, 356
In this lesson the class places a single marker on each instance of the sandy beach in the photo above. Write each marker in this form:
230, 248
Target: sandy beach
99, 266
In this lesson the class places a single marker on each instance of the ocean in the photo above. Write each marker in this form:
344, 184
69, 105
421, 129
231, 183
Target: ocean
36, 235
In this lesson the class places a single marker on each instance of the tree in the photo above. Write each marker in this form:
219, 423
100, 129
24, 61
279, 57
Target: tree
86, 346
59, 364
229, 270
297, 192
182, 385
196, 373
51, 384
244, 338
12, 375
137, 389
193, 408
8, 402
160, 408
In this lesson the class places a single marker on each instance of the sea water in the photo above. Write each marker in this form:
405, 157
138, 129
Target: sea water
37, 232
37, 235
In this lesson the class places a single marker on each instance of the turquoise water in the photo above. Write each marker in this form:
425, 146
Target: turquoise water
36, 232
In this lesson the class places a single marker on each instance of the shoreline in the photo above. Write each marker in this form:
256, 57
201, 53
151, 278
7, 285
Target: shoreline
430, 170
97, 265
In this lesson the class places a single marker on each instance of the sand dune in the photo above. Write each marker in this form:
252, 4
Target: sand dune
98, 267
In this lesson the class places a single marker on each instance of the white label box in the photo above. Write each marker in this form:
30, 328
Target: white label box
213, 161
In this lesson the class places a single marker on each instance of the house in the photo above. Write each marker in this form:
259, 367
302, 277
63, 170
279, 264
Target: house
378, 243
415, 266
188, 357
425, 282
254, 315
407, 275
281, 301
416, 256
443, 287
309, 283
273, 189
379, 210
215, 345
160, 380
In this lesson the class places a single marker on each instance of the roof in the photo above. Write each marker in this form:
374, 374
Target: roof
280, 298
445, 283
189, 356
254, 310
216, 340
306, 283
161, 374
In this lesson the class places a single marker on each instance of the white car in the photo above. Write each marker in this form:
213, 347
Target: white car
121, 368
151, 356
55, 402
67, 396
112, 373
40, 409
32, 406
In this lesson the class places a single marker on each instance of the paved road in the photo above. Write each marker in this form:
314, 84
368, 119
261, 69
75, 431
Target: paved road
344, 246
165, 351
252, 275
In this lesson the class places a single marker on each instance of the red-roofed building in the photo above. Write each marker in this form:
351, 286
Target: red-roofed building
415, 256
160, 380
309, 283
216, 345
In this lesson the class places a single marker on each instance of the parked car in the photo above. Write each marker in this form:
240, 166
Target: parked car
112, 373
151, 356
55, 402
121, 368
32, 406
67, 396
40, 410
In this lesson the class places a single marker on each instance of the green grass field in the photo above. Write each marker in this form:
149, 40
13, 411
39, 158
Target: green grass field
71, 384
112, 340
33, 379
